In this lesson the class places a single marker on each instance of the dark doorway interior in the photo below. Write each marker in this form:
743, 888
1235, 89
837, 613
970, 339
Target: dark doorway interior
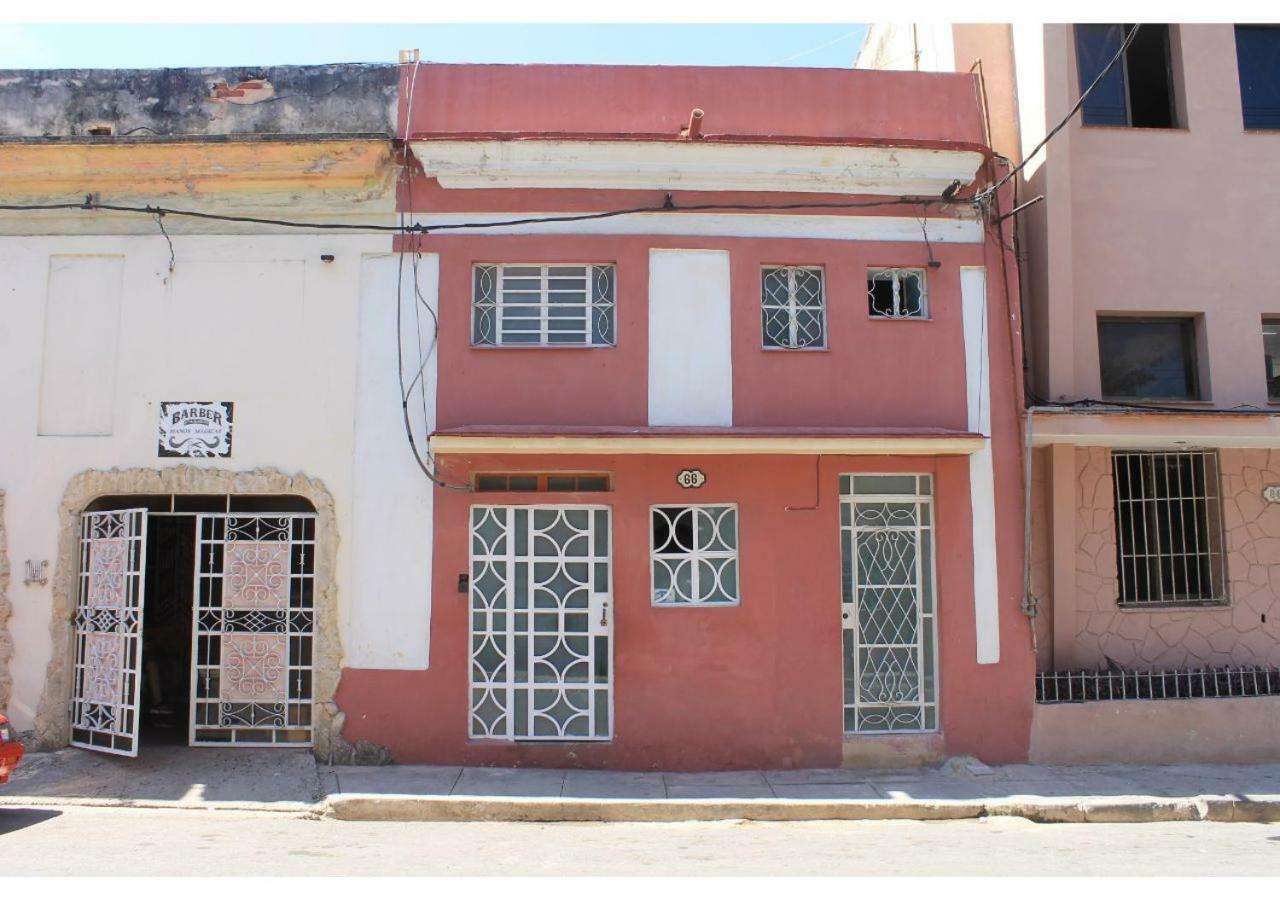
166, 628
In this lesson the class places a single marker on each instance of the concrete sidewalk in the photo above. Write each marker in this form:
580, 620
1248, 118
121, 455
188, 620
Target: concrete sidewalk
960, 789
290, 781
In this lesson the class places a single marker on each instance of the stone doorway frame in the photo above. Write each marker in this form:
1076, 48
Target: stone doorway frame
53, 723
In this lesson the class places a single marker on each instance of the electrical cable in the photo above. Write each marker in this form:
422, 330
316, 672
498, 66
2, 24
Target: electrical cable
987, 193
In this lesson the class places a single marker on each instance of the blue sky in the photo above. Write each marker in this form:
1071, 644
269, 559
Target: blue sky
147, 46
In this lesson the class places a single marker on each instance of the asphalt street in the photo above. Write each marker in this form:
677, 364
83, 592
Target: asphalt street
122, 841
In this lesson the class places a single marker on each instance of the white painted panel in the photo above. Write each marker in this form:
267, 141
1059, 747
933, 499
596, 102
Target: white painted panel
690, 364
986, 606
81, 345
389, 619
901, 229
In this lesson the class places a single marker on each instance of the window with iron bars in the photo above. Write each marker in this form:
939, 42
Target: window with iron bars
543, 306
1169, 544
694, 555
793, 308
897, 294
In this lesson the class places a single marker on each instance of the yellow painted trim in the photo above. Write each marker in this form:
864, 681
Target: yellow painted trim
53, 172
846, 445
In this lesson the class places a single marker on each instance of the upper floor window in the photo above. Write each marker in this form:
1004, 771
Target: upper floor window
1148, 358
793, 307
897, 294
1138, 90
543, 306
1258, 58
1271, 355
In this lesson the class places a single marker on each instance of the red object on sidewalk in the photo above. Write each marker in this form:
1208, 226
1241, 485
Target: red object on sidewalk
10, 750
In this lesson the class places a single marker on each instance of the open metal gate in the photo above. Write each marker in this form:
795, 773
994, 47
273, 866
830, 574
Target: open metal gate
253, 630
108, 631
541, 623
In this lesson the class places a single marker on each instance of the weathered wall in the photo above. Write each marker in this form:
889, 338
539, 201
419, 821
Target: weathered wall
1041, 560
260, 321
1245, 632
1236, 731
143, 103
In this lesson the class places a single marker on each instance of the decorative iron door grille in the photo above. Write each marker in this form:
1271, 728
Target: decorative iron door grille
108, 631
886, 538
253, 630
541, 623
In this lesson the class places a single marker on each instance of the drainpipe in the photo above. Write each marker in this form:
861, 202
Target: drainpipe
694, 130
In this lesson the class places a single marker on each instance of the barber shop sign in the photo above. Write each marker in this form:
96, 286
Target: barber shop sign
195, 428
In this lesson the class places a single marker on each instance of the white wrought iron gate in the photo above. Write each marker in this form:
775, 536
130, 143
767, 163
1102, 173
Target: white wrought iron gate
886, 540
541, 623
108, 631
253, 630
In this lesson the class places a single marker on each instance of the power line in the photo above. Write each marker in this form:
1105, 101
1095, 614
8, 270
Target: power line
669, 205
987, 193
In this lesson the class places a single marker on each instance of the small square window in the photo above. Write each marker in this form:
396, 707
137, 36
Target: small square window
793, 308
897, 294
1271, 355
1149, 359
542, 306
694, 553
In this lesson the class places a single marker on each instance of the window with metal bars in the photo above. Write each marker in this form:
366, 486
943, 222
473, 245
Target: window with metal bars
541, 482
694, 555
1169, 545
529, 305
793, 308
897, 294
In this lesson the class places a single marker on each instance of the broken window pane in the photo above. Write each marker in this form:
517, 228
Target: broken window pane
1147, 358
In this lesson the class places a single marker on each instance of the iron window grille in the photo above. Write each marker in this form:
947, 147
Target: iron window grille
897, 294
793, 307
543, 306
1169, 540
694, 555
1173, 684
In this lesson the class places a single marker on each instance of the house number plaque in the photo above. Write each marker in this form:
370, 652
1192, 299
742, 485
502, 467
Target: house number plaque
691, 478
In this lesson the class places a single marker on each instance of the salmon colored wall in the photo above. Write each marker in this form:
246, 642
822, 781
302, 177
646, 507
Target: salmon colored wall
879, 366
748, 686
629, 100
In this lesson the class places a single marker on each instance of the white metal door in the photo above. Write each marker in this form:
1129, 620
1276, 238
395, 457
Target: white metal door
541, 623
888, 616
253, 627
108, 631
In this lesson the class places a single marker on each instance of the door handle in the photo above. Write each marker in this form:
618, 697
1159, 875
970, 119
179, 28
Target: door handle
604, 614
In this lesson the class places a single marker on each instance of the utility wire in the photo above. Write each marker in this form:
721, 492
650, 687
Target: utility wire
987, 193
669, 205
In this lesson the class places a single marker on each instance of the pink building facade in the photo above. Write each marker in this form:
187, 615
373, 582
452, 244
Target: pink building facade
726, 428
1152, 392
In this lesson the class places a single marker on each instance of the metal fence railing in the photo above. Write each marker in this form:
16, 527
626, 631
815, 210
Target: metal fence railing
1174, 684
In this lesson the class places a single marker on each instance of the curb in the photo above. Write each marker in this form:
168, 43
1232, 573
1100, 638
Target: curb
14, 801
416, 808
